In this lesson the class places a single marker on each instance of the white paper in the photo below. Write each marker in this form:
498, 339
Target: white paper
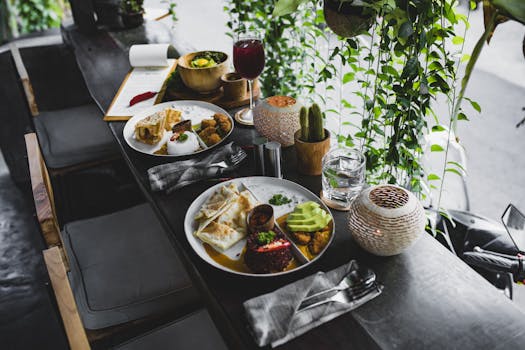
140, 80
150, 55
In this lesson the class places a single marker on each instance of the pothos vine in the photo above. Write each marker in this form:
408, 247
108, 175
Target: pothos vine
396, 68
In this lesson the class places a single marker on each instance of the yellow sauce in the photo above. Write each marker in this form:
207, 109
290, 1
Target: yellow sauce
238, 265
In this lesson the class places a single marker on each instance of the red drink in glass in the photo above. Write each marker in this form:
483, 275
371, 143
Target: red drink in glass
248, 58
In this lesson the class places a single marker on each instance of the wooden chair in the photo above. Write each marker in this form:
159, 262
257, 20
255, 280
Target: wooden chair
65, 117
43, 90
194, 331
121, 267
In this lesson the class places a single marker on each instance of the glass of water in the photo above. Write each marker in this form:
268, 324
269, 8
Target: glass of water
343, 175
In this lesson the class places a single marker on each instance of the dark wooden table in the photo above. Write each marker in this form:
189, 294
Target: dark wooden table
431, 299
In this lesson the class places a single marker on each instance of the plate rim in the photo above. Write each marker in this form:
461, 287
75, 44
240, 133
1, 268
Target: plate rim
188, 233
153, 109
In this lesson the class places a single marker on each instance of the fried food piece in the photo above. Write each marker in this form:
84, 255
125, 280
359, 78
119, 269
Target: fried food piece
213, 139
204, 133
210, 136
163, 150
319, 241
302, 237
224, 122
207, 123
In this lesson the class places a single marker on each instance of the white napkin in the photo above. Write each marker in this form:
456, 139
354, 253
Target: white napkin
273, 316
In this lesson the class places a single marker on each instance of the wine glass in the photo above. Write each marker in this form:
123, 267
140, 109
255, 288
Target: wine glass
248, 60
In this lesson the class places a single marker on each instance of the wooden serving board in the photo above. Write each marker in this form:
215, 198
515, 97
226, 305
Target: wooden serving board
216, 98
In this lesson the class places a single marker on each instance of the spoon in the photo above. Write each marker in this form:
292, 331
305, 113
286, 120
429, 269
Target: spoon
356, 280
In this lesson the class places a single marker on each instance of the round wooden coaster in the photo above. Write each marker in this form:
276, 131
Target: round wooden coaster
242, 121
334, 205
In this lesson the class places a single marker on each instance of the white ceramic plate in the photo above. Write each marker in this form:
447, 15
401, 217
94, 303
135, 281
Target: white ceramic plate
195, 111
263, 188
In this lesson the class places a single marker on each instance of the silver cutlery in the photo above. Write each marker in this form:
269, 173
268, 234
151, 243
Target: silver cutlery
346, 296
231, 159
354, 279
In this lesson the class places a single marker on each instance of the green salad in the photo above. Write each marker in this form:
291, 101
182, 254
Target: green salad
207, 59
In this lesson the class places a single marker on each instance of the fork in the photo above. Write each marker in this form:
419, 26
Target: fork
231, 159
346, 296
355, 279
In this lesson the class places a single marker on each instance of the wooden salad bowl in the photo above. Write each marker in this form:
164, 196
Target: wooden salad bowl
202, 80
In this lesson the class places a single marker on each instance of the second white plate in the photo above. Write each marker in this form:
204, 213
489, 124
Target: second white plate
195, 111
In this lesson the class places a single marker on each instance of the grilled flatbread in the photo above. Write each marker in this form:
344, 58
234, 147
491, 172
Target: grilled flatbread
218, 202
173, 116
150, 130
228, 225
219, 235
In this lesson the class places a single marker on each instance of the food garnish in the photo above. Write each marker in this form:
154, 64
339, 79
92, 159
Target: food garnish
142, 97
183, 137
265, 237
279, 199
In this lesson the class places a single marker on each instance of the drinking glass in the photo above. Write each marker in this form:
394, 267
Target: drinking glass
248, 60
343, 175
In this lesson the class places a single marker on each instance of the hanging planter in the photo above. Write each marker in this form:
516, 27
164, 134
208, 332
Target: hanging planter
347, 19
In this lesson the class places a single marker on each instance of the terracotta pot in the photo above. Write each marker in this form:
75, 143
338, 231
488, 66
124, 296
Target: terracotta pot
277, 118
310, 154
203, 80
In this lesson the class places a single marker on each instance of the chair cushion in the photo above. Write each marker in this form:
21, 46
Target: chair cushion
73, 136
195, 331
123, 267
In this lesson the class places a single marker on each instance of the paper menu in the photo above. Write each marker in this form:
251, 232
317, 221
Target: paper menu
151, 67
151, 55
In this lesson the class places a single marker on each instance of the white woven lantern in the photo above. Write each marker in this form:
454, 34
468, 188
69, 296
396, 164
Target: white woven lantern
277, 118
386, 219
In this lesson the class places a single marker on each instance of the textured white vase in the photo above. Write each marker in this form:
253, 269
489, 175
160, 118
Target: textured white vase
277, 118
386, 219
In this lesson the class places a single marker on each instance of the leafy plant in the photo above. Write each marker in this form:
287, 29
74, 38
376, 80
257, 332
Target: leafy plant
172, 12
132, 6
37, 15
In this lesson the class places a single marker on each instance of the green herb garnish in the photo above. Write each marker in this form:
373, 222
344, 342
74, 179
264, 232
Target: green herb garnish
266, 237
279, 199
182, 137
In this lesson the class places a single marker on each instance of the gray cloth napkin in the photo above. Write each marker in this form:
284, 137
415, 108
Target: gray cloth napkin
273, 316
172, 176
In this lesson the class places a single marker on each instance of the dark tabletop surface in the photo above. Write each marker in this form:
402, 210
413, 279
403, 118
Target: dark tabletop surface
431, 299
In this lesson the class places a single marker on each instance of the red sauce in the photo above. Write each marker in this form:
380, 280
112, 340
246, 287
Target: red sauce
259, 218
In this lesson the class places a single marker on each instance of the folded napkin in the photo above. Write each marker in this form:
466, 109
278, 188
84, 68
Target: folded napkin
172, 176
273, 316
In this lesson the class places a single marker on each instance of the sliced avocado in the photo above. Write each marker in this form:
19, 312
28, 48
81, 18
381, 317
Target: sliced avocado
308, 217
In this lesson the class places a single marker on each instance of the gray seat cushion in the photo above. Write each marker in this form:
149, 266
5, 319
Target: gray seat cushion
123, 267
73, 136
194, 332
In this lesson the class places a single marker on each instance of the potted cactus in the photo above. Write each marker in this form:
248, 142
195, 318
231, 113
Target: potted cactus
312, 141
